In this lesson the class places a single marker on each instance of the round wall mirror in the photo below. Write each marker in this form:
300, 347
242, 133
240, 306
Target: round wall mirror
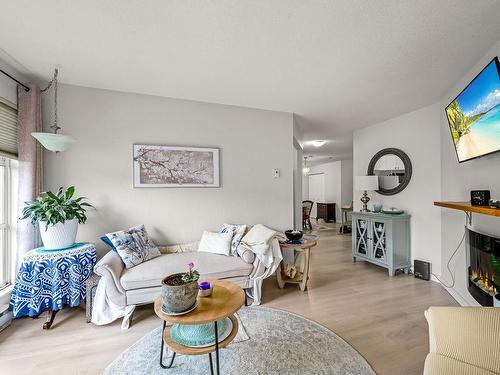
393, 168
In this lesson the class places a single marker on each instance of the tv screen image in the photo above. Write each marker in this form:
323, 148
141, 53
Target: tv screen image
474, 115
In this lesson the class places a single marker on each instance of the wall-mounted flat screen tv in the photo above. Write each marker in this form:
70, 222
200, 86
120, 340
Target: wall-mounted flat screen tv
474, 115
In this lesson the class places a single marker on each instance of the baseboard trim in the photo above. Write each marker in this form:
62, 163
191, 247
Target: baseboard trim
462, 300
5, 319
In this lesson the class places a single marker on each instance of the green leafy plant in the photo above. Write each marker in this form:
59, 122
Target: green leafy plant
191, 274
56, 208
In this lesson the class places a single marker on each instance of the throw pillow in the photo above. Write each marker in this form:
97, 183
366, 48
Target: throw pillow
134, 245
108, 242
216, 243
238, 231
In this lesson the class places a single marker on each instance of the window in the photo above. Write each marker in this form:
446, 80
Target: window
8, 209
8, 128
5, 227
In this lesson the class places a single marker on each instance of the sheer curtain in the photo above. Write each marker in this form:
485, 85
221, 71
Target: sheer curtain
29, 114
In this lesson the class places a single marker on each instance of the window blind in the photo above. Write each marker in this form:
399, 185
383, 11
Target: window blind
8, 130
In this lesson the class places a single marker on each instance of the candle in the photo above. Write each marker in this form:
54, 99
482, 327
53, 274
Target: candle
205, 285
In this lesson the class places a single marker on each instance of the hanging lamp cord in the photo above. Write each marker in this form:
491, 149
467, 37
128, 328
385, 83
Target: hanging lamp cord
53, 82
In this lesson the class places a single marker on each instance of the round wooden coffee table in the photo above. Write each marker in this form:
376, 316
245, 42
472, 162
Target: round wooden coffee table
226, 299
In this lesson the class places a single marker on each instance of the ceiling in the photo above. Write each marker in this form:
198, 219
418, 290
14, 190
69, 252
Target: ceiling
338, 65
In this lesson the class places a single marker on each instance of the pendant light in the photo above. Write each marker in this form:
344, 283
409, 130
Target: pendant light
53, 141
305, 168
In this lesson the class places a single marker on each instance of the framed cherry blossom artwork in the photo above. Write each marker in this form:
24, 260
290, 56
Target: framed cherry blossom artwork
168, 166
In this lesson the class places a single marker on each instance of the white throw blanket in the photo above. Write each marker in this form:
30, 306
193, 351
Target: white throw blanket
275, 254
264, 242
258, 240
104, 311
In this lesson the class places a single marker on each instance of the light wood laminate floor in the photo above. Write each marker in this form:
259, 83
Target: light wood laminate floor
381, 317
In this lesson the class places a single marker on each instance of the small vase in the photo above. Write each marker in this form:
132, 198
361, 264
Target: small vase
60, 235
178, 298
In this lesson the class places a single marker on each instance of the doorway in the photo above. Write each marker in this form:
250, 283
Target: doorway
316, 190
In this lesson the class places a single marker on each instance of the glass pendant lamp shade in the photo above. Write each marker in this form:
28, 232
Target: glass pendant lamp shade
305, 168
54, 142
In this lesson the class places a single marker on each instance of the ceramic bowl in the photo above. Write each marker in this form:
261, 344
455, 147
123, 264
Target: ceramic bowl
293, 235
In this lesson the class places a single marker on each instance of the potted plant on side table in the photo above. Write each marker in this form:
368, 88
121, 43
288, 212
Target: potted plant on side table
179, 291
57, 216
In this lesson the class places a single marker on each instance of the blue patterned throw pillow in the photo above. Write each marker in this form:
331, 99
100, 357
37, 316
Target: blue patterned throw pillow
238, 232
108, 242
134, 245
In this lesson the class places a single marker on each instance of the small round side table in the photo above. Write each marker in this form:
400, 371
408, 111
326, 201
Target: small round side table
226, 299
52, 279
302, 276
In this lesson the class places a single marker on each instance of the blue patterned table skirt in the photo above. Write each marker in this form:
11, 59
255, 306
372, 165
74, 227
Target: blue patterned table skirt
52, 279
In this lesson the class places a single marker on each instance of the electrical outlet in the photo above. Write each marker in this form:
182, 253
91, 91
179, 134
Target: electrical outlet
276, 173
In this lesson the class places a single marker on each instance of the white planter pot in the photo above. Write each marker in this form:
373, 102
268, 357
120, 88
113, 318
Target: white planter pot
59, 236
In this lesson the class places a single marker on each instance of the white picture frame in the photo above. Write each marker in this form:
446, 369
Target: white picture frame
159, 166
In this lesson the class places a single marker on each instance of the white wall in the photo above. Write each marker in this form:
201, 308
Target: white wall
297, 184
418, 134
346, 180
457, 180
298, 156
106, 124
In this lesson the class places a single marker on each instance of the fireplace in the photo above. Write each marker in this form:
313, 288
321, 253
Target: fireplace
483, 268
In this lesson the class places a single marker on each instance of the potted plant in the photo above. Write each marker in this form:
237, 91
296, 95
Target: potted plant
57, 216
179, 291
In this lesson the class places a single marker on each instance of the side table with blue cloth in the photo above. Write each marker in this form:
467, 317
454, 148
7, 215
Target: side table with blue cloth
52, 279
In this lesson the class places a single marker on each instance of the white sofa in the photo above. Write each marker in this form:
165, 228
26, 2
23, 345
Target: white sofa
142, 284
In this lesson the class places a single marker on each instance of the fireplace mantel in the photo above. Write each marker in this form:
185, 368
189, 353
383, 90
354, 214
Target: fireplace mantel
467, 207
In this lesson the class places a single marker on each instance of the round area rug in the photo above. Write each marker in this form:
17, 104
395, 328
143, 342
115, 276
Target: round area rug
276, 342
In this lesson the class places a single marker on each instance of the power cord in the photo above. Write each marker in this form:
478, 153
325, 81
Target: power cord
452, 274
468, 220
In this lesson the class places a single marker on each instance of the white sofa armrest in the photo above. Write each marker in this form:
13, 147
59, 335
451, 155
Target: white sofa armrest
465, 334
110, 268
247, 255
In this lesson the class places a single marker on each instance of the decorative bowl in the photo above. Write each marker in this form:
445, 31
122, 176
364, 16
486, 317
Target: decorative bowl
393, 211
293, 235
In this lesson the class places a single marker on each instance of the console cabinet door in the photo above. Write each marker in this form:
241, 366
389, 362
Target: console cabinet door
379, 241
362, 237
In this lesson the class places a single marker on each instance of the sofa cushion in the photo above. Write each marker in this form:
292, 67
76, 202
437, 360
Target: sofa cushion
150, 273
436, 364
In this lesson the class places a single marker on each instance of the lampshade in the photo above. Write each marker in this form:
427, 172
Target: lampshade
366, 183
54, 142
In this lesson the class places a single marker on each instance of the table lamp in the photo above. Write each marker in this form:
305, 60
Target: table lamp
365, 183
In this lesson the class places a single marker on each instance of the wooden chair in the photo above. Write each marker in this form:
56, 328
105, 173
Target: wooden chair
306, 214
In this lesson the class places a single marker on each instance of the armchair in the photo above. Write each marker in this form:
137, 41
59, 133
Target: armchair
463, 340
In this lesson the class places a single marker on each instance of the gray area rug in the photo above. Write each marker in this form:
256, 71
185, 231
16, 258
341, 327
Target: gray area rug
273, 341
